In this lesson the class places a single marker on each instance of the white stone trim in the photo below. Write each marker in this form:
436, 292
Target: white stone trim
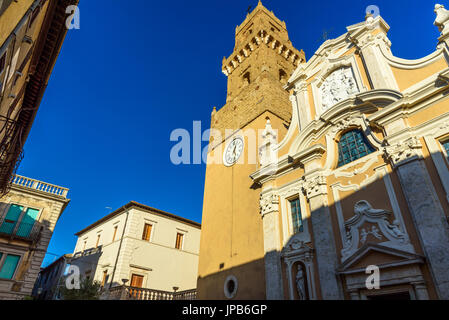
380, 173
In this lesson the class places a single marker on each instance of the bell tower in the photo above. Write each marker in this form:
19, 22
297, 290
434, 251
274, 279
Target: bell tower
263, 60
231, 263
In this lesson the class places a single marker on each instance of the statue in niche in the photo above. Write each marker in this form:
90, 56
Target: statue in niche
300, 283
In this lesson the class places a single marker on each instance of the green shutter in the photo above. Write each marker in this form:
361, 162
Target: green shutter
9, 267
11, 219
27, 223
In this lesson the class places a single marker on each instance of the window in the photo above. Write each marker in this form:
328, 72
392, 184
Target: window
105, 278
136, 281
27, 223
115, 233
147, 232
12, 217
8, 266
247, 78
98, 241
85, 244
25, 219
296, 216
2, 62
179, 240
352, 146
446, 147
34, 16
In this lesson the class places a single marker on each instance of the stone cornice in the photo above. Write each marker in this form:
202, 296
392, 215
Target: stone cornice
263, 37
410, 104
314, 152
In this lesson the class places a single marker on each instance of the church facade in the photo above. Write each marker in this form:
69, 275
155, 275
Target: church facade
352, 178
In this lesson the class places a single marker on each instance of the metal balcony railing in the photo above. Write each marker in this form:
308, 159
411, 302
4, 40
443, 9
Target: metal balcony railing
22, 231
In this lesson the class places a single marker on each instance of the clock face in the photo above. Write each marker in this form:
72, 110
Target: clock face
233, 152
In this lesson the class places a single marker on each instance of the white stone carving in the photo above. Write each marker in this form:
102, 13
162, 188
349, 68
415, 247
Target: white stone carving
442, 18
315, 186
357, 232
267, 153
298, 251
350, 121
338, 86
269, 203
404, 152
300, 283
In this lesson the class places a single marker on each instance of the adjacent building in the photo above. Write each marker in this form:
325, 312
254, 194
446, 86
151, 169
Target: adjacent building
358, 177
140, 247
51, 279
28, 215
31, 36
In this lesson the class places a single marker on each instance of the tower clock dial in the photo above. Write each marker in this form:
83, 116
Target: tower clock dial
233, 152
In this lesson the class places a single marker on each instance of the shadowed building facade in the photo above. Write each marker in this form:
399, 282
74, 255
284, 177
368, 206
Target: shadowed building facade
359, 178
232, 242
31, 36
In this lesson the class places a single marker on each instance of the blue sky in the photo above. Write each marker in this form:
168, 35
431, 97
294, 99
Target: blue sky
137, 70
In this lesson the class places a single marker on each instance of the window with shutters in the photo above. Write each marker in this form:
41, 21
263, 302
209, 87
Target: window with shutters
179, 241
8, 265
115, 233
147, 232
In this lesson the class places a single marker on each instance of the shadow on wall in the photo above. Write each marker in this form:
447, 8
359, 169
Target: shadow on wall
371, 213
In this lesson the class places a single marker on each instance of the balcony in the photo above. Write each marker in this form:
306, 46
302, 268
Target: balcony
33, 184
22, 231
140, 294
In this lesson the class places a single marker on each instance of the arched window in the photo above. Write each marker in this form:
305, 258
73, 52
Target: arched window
353, 145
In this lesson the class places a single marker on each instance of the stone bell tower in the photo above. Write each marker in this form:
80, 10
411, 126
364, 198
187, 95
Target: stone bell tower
263, 60
231, 263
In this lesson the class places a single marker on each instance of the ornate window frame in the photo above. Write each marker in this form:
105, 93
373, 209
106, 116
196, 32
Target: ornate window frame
286, 194
340, 127
329, 68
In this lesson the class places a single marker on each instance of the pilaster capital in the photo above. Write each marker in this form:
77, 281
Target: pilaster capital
404, 152
269, 203
314, 186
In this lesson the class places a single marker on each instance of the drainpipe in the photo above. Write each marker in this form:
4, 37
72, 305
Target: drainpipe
119, 249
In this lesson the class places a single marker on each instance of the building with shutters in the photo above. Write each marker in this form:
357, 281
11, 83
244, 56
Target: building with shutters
28, 216
31, 36
352, 174
142, 249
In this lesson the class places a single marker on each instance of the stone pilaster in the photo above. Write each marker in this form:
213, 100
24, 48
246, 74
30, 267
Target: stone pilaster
269, 204
421, 290
426, 210
315, 189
